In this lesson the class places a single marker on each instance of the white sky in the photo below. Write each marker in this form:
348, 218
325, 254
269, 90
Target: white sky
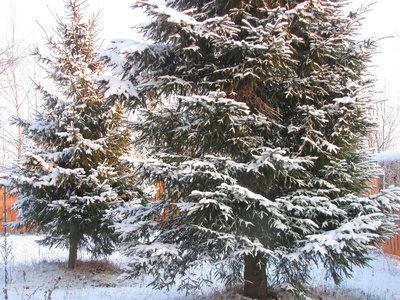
383, 21
118, 17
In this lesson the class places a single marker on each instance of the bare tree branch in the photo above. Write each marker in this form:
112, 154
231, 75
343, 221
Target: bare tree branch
386, 137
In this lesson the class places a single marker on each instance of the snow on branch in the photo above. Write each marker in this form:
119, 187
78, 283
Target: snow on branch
361, 230
159, 8
117, 86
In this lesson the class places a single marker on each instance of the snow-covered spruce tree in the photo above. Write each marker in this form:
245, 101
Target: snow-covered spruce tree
69, 175
258, 138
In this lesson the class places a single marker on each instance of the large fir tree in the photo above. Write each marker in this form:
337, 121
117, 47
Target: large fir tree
69, 175
256, 126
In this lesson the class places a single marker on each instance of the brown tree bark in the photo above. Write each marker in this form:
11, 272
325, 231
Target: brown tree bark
255, 285
74, 238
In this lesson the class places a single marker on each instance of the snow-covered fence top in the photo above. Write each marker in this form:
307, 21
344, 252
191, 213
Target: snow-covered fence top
388, 156
4, 179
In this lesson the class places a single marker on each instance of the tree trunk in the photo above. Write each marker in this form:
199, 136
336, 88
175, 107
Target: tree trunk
255, 285
74, 238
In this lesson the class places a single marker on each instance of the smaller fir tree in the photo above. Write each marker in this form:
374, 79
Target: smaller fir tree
70, 174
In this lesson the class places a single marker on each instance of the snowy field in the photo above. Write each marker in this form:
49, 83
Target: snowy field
37, 272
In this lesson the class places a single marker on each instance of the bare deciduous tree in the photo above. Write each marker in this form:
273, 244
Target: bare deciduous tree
5, 61
386, 112
16, 93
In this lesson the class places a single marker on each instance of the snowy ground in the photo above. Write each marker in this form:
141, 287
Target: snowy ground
39, 273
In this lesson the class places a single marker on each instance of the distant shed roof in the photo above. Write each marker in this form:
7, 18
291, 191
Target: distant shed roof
388, 156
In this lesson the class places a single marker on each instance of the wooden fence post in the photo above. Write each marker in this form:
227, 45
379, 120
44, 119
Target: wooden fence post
4, 209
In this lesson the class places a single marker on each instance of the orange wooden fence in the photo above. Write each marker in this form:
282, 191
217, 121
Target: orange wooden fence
374, 186
12, 215
392, 246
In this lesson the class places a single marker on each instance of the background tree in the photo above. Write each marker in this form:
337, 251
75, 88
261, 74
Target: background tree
256, 126
5, 61
386, 135
17, 92
70, 175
